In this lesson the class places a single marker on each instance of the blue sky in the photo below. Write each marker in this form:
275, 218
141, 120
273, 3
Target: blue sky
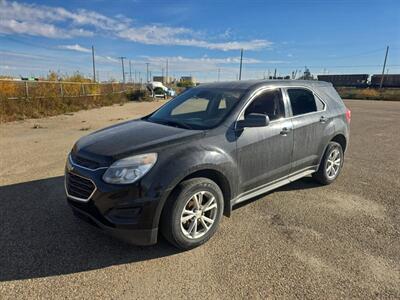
199, 37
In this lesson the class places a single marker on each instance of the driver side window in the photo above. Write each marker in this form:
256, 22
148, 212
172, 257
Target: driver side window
268, 103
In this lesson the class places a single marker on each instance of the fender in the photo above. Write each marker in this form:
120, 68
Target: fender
188, 162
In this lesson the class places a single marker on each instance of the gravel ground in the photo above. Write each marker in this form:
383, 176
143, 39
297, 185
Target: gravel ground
301, 241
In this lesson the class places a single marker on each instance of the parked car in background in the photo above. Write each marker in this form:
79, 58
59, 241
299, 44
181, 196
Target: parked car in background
179, 169
170, 92
160, 90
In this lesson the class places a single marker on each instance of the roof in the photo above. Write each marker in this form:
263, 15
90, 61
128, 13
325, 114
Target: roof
252, 84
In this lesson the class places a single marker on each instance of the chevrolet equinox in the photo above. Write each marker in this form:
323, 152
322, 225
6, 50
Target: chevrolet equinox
179, 169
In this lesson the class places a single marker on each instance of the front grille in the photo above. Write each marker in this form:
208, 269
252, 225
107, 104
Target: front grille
87, 163
79, 187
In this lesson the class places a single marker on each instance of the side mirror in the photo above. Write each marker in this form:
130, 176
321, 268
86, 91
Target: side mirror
253, 120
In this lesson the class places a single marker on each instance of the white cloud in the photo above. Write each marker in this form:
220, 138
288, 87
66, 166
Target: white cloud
79, 48
34, 20
204, 59
58, 22
155, 35
276, 62
197, 64
30, 28
6, 67
75, 47
107, 59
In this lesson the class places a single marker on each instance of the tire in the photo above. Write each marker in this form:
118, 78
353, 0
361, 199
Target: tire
325, 174
178, 226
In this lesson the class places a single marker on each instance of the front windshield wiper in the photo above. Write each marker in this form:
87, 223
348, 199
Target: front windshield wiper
172, 123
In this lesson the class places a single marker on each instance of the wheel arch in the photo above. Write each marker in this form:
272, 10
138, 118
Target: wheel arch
221, 180
341, 139
338, 138
215, 175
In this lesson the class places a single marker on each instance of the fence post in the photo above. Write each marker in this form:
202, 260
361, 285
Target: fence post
83, 89
26, 89
61, 90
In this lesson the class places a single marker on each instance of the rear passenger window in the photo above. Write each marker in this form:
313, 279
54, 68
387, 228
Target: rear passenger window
303, 101
269, 103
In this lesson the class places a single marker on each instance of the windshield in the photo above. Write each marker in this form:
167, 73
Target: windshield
198, 108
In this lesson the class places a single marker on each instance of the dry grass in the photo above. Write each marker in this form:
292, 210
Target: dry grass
21, 108
369, 93
49, 96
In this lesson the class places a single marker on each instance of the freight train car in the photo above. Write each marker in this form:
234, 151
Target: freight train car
355, 80
389, 80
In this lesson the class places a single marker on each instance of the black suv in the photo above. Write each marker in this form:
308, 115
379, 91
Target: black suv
179, 169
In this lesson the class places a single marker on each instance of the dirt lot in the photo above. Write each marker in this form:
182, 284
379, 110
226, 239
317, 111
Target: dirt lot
301, 241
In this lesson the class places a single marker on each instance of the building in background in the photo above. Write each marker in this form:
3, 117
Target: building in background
163, 79
188, 79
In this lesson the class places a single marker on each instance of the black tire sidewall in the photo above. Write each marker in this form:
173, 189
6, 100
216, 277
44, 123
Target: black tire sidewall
188, 191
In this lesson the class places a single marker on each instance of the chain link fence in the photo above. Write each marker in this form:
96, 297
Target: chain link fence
12, 89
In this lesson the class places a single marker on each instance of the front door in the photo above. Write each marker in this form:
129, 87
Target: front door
264, 153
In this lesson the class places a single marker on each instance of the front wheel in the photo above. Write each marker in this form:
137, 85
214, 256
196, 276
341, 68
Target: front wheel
331, 164
192, 213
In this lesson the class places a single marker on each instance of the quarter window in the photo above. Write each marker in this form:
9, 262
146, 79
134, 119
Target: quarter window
268, 103
303, 101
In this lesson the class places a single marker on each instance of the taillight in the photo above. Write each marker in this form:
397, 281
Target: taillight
348, 115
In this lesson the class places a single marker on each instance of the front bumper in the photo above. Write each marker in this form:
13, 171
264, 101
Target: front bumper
140, 237
127, 212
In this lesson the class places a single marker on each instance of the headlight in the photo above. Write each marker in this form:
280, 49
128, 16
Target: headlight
130, 169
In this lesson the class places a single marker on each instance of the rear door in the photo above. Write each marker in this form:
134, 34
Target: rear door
264, 153
309, 122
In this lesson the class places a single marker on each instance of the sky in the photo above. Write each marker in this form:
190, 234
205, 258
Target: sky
198, 38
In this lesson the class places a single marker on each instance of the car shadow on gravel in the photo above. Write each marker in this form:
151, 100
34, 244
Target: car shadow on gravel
39, 236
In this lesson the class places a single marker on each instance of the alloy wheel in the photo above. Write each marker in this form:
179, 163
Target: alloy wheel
199, 214
333, 163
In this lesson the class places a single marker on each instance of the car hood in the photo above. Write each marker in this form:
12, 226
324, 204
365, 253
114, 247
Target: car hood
130, 137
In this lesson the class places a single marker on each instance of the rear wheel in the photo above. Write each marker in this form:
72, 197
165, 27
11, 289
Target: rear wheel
331, 164
192, 214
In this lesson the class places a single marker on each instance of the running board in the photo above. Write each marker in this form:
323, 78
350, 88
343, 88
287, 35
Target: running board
271, 186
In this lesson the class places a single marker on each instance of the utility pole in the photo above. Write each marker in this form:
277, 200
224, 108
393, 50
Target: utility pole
219, 73
166, 72
384, 66
123, 67
130, 71
147, 72
94, 65
241, 60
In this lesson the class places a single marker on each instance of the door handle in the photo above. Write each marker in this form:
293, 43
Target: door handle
285, 131
323, 119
